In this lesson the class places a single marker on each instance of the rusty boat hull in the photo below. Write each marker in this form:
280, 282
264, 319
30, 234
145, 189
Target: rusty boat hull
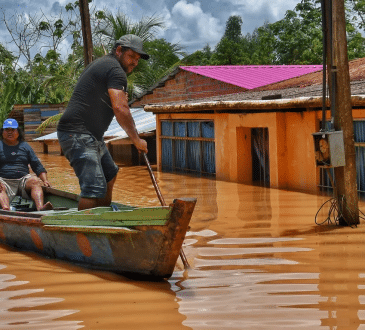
138, 242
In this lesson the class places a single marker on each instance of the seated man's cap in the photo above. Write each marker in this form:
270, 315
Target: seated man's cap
10, 123
135, 43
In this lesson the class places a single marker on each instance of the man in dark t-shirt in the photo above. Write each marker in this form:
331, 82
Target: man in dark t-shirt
99, 95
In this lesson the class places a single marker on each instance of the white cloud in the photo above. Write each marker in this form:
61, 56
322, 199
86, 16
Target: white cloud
276, 8
191, 26
190, 23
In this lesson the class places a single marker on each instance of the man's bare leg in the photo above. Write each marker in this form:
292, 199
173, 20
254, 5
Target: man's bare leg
89, 203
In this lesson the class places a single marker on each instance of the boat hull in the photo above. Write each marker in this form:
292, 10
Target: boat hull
144, 251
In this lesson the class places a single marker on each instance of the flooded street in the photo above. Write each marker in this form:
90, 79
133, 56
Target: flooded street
258, 261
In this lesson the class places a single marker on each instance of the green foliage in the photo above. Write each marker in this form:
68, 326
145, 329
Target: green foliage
229, 52
163, 59
114, 27
163, 54
48, 80
261, 45
200, 57
357, 10
233, 29
298, 36
230, 49
49, 122
295, 39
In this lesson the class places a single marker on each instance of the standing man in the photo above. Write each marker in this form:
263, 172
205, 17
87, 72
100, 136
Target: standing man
99, 95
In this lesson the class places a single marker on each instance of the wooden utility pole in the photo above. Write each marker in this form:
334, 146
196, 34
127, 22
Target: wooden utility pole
86, 31
345, 176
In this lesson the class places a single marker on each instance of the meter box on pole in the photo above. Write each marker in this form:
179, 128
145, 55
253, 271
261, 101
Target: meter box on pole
329, 149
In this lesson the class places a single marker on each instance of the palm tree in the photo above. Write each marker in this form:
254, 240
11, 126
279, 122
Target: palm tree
114, 27
164, 56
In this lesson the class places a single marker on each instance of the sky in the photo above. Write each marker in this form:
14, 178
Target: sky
191, 24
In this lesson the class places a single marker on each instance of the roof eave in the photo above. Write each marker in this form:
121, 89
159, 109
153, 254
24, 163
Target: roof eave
264, 105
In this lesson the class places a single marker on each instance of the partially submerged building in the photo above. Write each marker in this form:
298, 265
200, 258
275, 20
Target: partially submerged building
260, 135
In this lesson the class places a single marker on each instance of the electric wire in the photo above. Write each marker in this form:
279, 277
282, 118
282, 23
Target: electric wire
335, 215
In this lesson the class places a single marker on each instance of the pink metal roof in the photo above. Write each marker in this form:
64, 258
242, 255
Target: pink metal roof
252, 76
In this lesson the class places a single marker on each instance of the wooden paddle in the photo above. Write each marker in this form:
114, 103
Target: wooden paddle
162, 201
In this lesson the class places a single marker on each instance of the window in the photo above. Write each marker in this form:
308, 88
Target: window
188, 146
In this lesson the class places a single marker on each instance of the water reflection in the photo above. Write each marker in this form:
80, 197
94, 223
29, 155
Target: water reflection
18, 307
63, 296
226, 290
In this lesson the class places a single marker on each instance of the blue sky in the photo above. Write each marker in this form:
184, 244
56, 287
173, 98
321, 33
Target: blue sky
191, 24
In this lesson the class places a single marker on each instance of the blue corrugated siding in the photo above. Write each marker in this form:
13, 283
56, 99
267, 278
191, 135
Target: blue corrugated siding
193, 129
188, 155
193, 155
208, 129
38, 122
180, 154
209, 157
167, 128
28, 110
166, 155
359, 135
49, 113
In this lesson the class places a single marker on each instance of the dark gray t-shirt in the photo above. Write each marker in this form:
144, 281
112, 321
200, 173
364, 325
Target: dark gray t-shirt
89, 110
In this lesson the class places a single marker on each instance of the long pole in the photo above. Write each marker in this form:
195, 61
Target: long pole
163, 203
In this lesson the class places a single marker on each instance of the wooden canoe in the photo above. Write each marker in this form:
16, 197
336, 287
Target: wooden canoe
140, 242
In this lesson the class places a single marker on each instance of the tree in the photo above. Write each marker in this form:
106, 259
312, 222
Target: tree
22, 33
233, 30
357, 10
229, 50
113, 27
299, 34
199, 57
32, 33
164, 57
261, 45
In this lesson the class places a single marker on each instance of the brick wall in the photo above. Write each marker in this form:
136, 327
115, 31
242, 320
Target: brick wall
187, 85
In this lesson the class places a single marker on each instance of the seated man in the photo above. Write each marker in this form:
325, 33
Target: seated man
15, 157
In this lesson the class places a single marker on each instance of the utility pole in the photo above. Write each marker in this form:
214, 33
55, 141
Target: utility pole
86, 31
340, 94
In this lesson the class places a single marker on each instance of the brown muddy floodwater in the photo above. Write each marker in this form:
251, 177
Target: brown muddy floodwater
258, 261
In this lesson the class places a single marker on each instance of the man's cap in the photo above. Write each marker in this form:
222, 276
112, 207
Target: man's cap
135, 43
10, 123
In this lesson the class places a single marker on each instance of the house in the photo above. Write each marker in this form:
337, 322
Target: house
196, 82
260, 135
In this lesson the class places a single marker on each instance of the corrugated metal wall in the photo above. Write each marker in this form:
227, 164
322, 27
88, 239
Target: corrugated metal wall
32, 115
188, 146
359, 134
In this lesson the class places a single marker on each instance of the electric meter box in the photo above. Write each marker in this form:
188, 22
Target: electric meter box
329, 149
